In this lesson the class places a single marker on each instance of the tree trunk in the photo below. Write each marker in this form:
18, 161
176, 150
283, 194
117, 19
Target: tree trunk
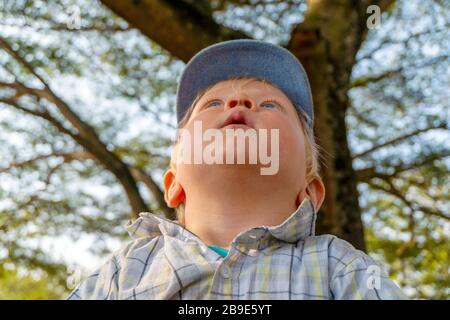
326, 43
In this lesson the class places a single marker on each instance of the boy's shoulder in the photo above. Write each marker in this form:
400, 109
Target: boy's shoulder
340, 254
331, 244
138, 248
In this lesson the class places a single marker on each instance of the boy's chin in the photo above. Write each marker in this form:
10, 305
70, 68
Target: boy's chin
230, 171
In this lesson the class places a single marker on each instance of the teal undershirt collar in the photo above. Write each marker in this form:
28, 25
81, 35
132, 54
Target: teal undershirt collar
221, 251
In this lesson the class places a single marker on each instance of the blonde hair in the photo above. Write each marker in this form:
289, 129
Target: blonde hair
311, 147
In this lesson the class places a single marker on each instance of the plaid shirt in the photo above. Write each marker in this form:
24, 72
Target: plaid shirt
287, 261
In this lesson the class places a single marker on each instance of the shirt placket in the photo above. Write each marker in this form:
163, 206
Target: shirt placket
246, 246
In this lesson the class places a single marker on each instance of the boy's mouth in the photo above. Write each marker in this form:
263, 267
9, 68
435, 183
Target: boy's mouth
237, 118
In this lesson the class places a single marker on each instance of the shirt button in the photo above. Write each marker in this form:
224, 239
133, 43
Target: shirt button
226, 272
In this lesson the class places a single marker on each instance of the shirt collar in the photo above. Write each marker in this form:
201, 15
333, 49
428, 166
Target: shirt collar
299, 225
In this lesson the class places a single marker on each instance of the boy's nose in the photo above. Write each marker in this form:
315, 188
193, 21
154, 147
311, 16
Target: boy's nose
246, 102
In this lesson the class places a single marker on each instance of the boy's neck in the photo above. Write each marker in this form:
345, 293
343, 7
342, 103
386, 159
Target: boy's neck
217, 218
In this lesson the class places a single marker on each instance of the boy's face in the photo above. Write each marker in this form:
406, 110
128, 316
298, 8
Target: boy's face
256, 105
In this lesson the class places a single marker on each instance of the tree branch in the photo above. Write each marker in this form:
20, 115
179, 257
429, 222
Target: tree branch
138, 174
22, 90
367, 174
362, 118
181, 27
86, 137
405, 41
43, 115
365, 80
398, 140
392, 190
67, 156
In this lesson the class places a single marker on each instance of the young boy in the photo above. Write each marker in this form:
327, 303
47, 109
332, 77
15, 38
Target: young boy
241, 233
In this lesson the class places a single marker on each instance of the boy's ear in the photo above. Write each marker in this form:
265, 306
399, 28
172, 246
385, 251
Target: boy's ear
173, 191
315, 190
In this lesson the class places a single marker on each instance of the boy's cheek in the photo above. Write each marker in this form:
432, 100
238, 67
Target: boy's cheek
292, 148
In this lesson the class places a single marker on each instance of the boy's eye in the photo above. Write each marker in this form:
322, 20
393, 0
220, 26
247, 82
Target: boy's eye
213, 103
270, 104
